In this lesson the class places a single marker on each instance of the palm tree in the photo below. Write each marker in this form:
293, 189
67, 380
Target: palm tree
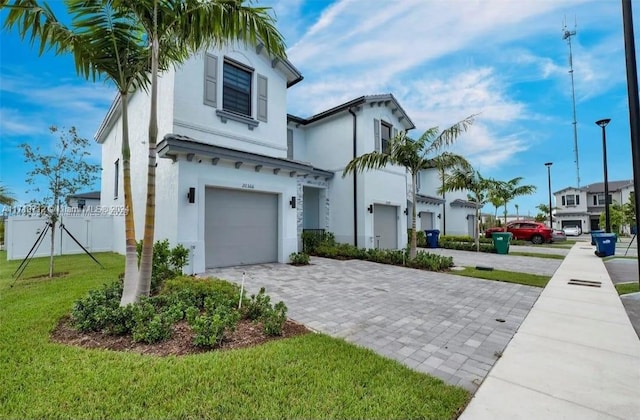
508, 190
496, 202
413, 155
104, 43
478, 187
444, 162
174, 30
6, 198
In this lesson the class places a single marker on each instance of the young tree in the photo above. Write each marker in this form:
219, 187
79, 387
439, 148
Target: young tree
478, 187
64, 173
629, 209
616, 217
508, 190
413, 155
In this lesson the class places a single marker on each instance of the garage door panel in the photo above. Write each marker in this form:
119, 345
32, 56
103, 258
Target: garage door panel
241, 227
385, 226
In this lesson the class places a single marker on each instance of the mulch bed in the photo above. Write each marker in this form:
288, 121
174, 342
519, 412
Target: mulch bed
247, 334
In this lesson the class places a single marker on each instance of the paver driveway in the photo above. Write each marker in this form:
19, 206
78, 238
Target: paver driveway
450, 326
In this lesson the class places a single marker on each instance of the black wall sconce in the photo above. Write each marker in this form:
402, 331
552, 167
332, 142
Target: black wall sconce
370, 208
292, 202
406, 211
192, 195
439, 216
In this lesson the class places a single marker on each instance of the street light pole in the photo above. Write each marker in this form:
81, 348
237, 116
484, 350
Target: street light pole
548, 165
607, 217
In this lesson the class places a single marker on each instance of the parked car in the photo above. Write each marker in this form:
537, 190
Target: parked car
558, 235
572, 230
535, 232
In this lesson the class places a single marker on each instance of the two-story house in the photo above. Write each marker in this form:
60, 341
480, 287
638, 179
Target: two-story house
238, 179
582, 206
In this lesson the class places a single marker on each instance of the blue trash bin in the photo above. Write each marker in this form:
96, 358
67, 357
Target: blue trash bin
595, 233
432, 237
634, 230
605, 244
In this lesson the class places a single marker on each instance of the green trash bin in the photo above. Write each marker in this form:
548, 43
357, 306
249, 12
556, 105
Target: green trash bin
501, 241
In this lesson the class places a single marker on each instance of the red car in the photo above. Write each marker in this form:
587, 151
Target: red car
535, 232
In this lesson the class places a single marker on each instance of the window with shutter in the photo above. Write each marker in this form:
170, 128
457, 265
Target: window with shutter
236, 89
564, 203
577, 200
211, 80
116, 178
376, 135
262, 98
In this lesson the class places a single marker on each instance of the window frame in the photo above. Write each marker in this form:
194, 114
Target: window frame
116, 178
384, 143
234, 92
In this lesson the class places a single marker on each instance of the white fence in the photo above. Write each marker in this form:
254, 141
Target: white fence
95, 233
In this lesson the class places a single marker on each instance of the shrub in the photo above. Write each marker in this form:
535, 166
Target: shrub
273, 321
433, 262
167, 262
200, 289
299, 258
210, 327
468, 246
151, 326
311, 240
95, 312
421, 238
257, 306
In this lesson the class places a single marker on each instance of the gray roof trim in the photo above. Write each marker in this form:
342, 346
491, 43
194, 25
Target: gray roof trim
598, 187
463, 203
114, 112
420, 198
567, 189
372, 99
174, 144
95, 195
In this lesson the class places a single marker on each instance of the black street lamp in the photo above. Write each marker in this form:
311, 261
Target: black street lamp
548, 165
607, 217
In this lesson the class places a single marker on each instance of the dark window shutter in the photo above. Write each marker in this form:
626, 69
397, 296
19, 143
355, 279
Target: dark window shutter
211, 80
289, 144
262, 98
394, 132
376, 135
595, 200
563, 201
577, 200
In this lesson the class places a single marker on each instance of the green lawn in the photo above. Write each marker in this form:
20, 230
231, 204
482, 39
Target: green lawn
312, 376
506, 276
537, 255
624, 288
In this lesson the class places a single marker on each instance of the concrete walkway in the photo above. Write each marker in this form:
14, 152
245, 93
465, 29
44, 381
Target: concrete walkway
576, 356
449, 326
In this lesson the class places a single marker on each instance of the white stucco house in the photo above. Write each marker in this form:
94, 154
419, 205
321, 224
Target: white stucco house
238, 179
83, 201
582, 206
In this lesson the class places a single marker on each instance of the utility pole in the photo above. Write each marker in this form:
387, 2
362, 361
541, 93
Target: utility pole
566, 34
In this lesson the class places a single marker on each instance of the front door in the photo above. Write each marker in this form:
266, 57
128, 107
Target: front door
385, 226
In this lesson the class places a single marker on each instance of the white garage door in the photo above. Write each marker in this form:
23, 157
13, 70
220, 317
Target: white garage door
385, 226
241, 227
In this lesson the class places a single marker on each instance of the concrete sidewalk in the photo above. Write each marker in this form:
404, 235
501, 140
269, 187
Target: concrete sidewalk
575, 356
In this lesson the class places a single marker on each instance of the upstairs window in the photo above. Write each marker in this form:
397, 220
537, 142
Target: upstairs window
236, 89
598, 200
571, 200
385, 131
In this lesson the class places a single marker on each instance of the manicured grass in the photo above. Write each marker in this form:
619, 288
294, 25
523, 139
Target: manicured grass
537, 254
311, 376
624, 288
506, 276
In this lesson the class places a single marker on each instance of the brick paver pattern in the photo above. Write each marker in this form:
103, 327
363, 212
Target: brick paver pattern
449, 326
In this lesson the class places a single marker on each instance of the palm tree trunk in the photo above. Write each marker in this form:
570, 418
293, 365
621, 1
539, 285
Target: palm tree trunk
414, 236
505, 216
129, 293
146, 261
477, 227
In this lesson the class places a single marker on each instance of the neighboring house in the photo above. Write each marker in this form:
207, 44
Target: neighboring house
238, 180
582, 206
452, 215
84, 200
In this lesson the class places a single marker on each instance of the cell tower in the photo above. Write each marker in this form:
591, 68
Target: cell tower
566, 34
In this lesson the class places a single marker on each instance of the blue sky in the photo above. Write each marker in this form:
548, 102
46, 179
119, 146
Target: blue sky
443, 60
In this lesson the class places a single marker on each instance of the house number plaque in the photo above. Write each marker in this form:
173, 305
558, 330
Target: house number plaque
249, 186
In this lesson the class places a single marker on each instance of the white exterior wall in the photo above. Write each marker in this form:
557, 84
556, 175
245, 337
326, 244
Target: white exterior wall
582, 207
191, 217
299, 143
199, 121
